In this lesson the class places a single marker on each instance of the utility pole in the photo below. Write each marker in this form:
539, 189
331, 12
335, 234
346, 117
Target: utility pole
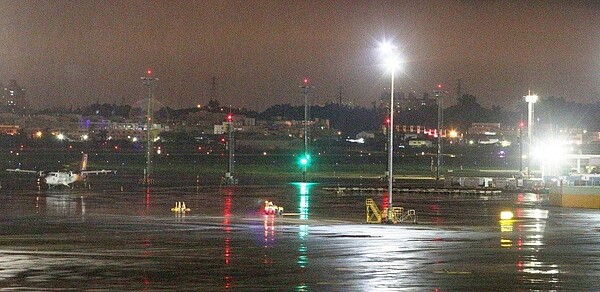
147, 80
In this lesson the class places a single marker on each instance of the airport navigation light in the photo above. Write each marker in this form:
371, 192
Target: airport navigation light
304, 163
304, 160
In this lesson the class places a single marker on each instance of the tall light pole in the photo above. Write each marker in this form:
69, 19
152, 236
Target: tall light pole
521, 144
230, 145
305, 87
439, 94
147, 80
530, 99
391, 62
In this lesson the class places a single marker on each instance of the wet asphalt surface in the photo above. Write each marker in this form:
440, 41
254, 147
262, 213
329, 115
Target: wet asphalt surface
114, 238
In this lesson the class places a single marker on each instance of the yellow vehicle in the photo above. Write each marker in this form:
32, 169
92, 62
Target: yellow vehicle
271, 209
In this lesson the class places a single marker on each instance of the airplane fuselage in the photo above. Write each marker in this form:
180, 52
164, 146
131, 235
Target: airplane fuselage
61, 178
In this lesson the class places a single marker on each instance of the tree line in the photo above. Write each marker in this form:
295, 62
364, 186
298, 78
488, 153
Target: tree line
554, 111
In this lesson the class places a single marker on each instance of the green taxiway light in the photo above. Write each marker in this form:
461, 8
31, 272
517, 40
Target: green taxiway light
304, 160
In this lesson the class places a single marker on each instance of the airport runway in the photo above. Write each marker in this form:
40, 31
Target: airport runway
106, 238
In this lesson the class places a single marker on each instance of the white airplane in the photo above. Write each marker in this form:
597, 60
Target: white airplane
64, 178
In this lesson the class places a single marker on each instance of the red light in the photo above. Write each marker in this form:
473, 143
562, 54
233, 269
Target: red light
149, 72
229, 117
305, 81
439, 86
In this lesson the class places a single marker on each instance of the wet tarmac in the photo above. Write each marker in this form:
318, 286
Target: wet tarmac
109, 238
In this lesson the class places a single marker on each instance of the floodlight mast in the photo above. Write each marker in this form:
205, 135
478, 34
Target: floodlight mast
530, 99
391, 63
391, 144
440, 95
147, 80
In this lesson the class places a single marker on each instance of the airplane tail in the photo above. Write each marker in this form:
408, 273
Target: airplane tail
84, 158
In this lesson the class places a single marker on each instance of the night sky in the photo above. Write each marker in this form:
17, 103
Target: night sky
80, 52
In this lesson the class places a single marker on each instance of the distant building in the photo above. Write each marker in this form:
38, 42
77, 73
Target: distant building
489, 129
222, 128
130, 131
420, 143
12, 97
9, 129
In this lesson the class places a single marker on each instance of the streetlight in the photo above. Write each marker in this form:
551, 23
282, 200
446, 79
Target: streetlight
530, 99
391, 62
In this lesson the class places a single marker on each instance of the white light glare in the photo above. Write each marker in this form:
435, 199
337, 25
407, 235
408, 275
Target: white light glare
390, 56
552, 152
387, 48
532, 98
392, 63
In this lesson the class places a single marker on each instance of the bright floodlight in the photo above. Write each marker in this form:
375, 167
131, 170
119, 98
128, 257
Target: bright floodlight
388, 51
531, 98
392, 63
387, 48
553, 151
60, 137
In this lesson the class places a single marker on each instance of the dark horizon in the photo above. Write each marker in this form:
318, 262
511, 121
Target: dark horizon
83, 52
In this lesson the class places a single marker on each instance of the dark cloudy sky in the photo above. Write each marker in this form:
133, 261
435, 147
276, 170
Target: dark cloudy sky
79, 52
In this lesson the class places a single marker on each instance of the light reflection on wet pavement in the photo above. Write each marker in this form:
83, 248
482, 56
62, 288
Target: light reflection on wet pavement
130, 240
